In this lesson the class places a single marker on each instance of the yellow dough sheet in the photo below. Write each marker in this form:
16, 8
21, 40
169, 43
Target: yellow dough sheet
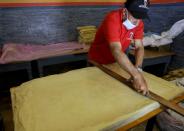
81, 100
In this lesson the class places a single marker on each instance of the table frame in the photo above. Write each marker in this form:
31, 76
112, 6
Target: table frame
150, 115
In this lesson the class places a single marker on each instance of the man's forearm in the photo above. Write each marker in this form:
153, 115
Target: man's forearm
122, 59
125, 63
139, 56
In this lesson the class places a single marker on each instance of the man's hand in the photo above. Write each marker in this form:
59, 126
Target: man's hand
140, 84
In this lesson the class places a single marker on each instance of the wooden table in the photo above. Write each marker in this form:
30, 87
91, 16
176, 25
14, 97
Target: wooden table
98, 95
26, 65
154, 57
1, 123
70, 56
150, 117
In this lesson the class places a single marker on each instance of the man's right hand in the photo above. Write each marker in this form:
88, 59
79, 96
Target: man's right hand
140, 84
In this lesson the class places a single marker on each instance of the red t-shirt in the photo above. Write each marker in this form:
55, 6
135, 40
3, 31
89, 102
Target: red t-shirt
112, 30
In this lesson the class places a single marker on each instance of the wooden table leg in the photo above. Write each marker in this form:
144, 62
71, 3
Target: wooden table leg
150, 124
1, 124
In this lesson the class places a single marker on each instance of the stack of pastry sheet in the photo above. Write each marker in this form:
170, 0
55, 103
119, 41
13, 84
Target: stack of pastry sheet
83, 100
86, 34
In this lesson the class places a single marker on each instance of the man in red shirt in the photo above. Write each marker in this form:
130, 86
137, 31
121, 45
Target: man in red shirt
114, 36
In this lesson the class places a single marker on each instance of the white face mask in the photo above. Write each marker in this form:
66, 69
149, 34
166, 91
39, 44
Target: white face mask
128, 24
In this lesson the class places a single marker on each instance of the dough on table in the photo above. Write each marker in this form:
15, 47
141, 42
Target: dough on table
81, 100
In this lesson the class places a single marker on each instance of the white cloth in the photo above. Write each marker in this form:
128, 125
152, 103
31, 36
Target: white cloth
179, 82
165, 37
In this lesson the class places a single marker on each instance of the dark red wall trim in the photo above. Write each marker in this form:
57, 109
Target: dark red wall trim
80, 3
58, 4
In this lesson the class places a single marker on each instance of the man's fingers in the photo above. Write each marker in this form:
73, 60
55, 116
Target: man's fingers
140, 87
130, 79
144, 92
147, 94
139, 91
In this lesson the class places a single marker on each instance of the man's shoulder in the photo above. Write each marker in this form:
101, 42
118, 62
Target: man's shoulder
141, 24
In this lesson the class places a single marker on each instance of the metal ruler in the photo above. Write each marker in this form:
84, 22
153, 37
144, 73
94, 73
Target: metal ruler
151, 95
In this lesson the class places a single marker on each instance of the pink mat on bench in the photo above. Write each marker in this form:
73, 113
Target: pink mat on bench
26, 52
